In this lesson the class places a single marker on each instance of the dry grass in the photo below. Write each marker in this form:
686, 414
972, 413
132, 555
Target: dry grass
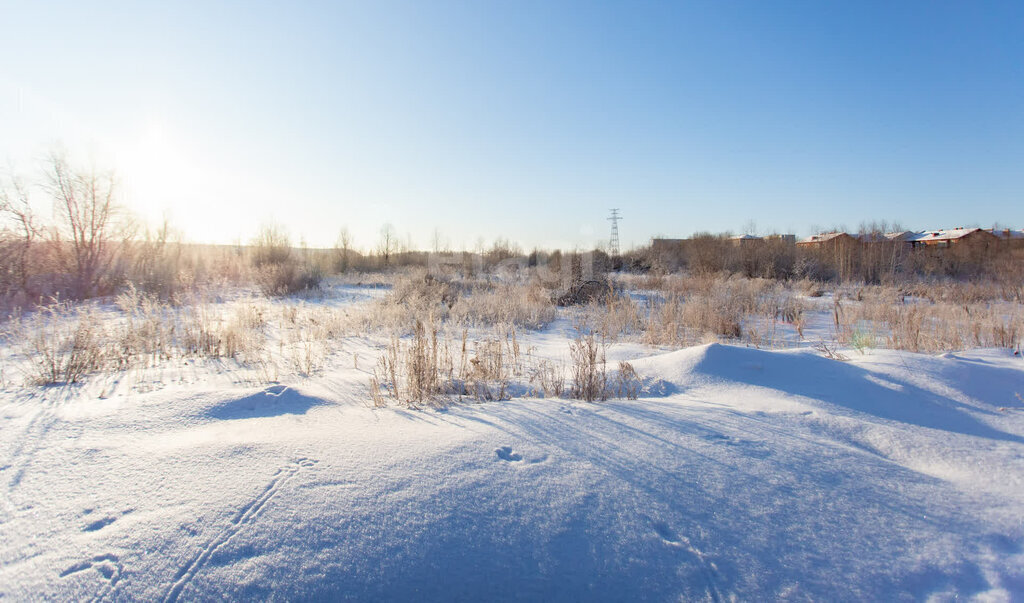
428, 320
547, 379
62, 343
627, 383
458, 303
526, 305
588, 352
430, 368
618, 315
686, 310
924, 326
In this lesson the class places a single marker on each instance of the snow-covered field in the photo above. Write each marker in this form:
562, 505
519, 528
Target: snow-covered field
739, 474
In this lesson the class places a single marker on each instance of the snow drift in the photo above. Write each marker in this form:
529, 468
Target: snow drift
744, 473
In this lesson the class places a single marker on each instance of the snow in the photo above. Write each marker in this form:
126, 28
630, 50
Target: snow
739, 474
945, 234
822, 237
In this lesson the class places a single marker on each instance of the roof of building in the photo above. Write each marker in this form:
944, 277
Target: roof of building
1006, 233
948, 234
744, 237
822, 237
882, 237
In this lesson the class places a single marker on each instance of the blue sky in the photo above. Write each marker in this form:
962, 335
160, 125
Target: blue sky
528, 120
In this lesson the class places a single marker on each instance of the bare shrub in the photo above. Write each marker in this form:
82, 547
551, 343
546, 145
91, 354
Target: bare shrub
158, 264
422, 367
488, 376
147, 332
618, 315
585, 292
830, 350
62, 344
279, 271
627, 383
426, 371
459, 303
589, 367
414, 374
519, 304
789, 309
276, 280
271, 246
679, 321
204, 332
548, 379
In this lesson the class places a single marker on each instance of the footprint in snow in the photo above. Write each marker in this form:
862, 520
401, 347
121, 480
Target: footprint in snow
99, 524
749, 447
102, 522
666, 534
505, 453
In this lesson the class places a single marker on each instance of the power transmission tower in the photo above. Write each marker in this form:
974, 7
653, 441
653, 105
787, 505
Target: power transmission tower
613, 243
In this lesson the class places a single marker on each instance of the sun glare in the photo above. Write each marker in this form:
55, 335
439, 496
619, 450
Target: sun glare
157, 177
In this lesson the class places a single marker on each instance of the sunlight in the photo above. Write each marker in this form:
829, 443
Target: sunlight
156, 174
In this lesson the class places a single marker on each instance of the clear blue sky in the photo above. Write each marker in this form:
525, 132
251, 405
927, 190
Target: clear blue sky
528, 120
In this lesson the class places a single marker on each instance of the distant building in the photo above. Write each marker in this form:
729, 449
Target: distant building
1008, 236
745, 239
826, 238
901, 238
749, 239
951, 237
785, 238
666, 244
904, 236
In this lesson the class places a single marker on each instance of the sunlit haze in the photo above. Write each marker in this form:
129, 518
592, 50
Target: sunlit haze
527, 120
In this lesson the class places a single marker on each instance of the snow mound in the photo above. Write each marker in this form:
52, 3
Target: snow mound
817, 381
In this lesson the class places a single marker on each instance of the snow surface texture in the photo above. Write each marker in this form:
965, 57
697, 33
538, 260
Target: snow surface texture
743, 474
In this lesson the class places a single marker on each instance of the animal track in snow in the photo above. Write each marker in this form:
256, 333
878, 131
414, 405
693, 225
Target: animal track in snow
245, 516
108, 566
750, 447
707, 567
505, 453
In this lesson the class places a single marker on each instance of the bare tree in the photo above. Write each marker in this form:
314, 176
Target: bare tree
271, 246
86, 211
19, 231
437, 241
341, 249
388, 243
156, 260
